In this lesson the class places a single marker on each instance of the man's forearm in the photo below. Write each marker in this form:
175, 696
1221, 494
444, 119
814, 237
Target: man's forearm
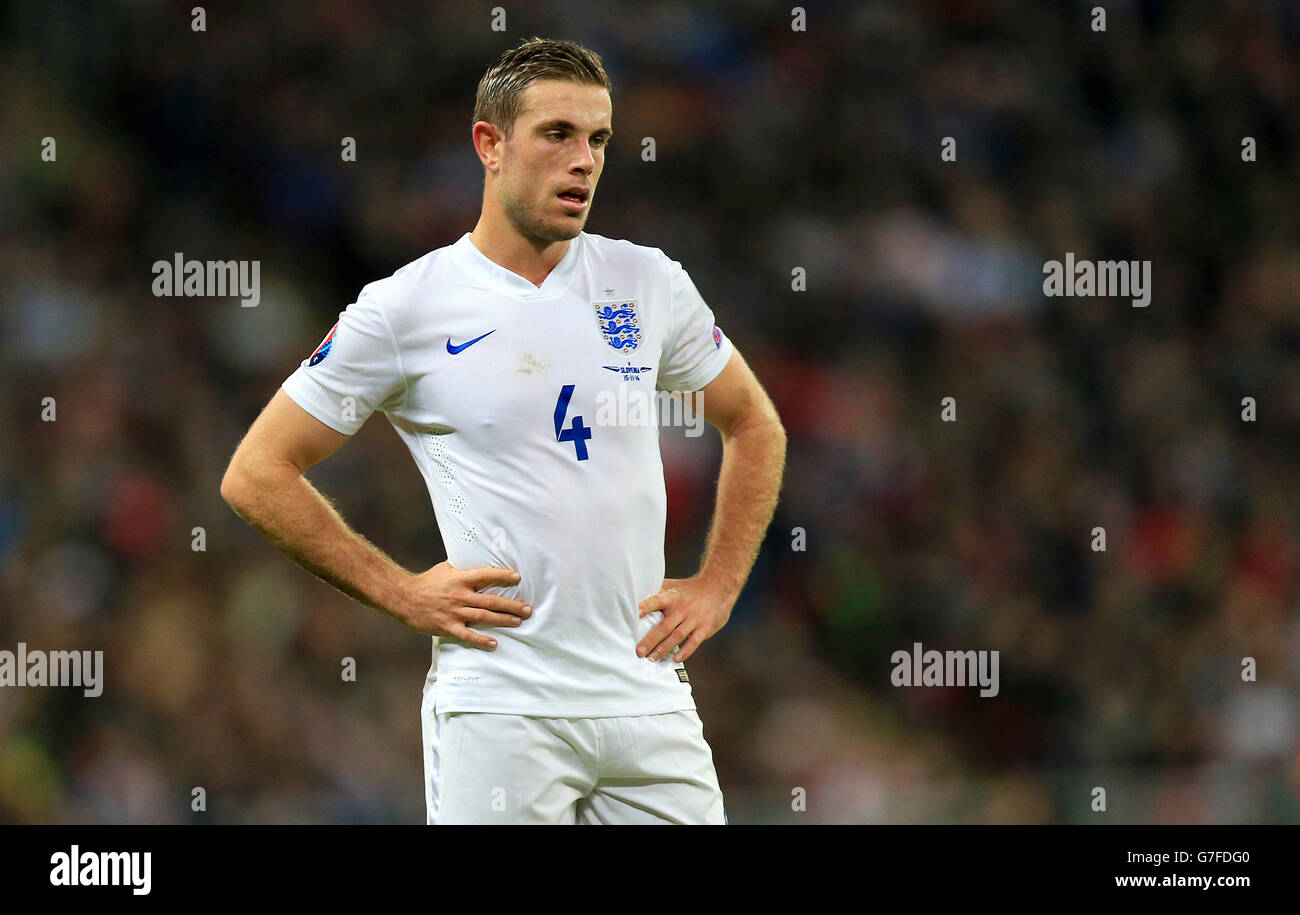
285, 508
749, 483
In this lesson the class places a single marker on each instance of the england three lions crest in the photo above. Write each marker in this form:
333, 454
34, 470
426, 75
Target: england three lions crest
618, 324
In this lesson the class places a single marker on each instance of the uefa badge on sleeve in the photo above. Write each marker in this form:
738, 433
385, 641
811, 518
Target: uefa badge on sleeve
323, 350
717, 337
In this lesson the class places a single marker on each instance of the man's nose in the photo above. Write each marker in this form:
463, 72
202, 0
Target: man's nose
586, 159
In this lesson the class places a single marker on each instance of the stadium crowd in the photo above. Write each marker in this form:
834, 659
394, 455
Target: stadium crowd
775, 149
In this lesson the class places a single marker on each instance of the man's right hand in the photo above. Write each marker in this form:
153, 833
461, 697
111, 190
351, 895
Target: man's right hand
445, 601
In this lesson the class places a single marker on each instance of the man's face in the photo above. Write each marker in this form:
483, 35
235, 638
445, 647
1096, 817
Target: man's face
558, 143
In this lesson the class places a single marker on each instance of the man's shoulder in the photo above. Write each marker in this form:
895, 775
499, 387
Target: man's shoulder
623, 249
412, 282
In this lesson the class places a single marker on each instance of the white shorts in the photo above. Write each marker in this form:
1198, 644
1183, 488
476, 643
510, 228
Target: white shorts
481, 767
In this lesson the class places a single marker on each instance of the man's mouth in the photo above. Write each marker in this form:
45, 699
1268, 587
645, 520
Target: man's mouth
574, 199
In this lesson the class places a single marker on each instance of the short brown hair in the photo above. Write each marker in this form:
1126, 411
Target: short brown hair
502, 87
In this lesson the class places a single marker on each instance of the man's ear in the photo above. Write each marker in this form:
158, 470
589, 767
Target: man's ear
487, 141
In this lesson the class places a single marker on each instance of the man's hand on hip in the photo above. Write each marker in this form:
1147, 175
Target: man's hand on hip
445, 601
693, 608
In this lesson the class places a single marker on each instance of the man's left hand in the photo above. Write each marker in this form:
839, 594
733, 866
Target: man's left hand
693, 608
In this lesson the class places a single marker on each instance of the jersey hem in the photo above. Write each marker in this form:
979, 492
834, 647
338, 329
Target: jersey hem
710, 373
563, 710
305, 398
705, 375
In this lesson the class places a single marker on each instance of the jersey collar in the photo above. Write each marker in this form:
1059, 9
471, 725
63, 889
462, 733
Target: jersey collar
511, 283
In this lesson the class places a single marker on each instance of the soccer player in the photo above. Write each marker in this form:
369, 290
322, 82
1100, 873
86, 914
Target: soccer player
557, 691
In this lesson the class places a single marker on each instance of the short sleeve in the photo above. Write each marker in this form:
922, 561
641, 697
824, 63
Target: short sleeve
355, 370
695, 349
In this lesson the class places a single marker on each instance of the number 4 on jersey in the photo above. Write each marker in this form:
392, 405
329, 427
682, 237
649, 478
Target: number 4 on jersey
577, 432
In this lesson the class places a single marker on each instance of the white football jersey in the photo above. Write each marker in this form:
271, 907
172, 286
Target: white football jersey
506, 395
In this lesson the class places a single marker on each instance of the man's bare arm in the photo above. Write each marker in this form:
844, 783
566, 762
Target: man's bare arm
264, 484
749, 483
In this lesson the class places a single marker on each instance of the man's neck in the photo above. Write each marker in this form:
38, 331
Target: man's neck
517, 254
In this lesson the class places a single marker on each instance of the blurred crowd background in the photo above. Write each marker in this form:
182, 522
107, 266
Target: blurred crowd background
776, 149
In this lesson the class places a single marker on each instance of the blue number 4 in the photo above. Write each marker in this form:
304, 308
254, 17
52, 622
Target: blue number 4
576, 433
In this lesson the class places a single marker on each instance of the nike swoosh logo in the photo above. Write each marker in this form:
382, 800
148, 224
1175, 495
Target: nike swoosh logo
464, 346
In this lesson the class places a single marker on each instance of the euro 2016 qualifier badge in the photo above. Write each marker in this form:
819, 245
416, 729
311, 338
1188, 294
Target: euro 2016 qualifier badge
317, 357
618, 324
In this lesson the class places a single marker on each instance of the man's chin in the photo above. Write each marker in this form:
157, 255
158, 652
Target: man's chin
550, 230
568, 229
